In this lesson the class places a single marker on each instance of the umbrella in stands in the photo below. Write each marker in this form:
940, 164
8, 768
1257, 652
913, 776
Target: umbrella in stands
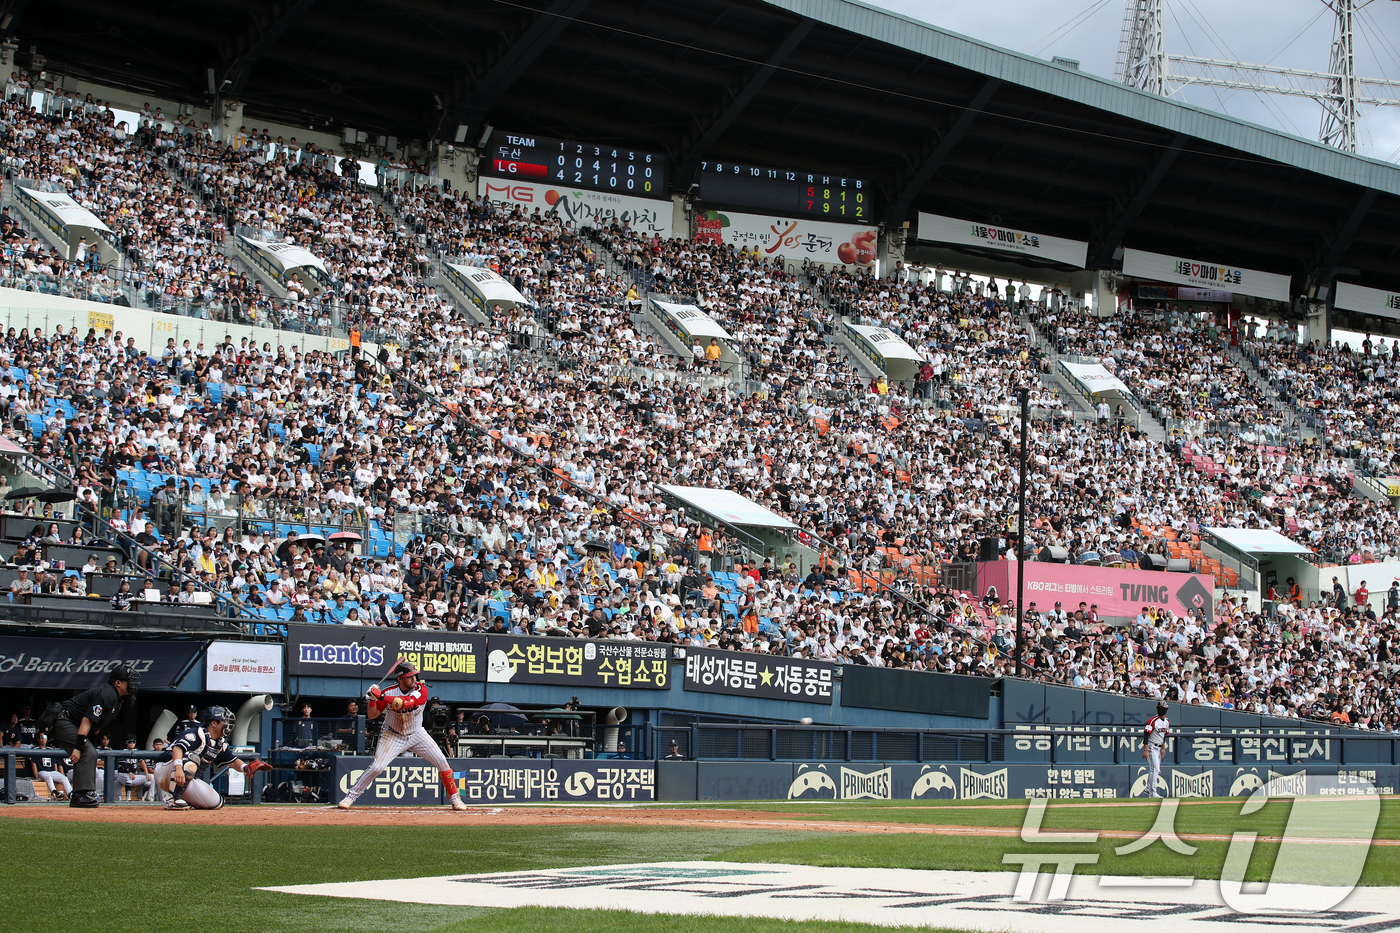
503, 714
24, 492
347, 538
57, 494
596, 546
306, 542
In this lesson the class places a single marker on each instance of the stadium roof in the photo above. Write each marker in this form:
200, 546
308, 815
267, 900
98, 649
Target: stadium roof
938, 121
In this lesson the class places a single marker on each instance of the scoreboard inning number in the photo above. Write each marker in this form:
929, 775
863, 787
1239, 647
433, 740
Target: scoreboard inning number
606, 168
834, 196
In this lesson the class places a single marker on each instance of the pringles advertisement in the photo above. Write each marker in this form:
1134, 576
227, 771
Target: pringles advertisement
792, 239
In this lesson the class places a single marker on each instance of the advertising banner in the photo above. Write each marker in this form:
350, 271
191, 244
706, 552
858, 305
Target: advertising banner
793, 239
995, 781
354, 651
574, 662
1380, 302
412, 781
1193, 271
79, 663
243, 667
748, 674
578, 207
935, 228
1118, 593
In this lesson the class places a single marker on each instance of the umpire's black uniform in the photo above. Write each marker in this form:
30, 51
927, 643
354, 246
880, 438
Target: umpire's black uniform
99, 706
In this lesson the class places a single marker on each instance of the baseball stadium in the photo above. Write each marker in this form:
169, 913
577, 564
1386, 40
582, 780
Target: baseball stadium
725, 465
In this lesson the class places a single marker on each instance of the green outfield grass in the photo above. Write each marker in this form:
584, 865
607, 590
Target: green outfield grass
96, 877
1193, 816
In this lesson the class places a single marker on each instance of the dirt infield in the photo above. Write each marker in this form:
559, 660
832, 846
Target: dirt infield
601, 816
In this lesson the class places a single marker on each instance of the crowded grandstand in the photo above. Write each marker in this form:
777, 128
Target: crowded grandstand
498, 467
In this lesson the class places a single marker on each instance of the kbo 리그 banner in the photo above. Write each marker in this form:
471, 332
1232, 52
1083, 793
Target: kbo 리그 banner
1117, 593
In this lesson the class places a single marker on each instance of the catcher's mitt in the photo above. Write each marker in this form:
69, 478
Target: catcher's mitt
254, 766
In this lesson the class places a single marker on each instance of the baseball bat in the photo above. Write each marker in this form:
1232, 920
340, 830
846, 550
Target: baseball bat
384, 678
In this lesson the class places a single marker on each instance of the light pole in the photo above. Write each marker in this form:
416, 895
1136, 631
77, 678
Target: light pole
1021, 529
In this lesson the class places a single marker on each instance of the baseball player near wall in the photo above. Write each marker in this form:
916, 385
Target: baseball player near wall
199, 749
1154, 743
402, 708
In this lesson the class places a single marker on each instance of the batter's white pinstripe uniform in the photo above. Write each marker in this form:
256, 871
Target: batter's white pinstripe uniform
403, 732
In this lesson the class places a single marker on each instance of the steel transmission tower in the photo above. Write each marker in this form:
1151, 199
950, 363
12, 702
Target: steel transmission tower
1142, 49
1143, 63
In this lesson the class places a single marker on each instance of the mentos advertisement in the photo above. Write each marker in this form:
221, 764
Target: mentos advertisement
790, 238
578, 207
1118, 593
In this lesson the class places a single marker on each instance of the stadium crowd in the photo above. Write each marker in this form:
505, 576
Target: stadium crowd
521, 456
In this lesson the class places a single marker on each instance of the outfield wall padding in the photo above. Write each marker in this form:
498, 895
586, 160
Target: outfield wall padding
838, 780
677, 780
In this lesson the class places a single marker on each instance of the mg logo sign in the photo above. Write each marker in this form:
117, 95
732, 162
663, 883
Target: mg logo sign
509, 192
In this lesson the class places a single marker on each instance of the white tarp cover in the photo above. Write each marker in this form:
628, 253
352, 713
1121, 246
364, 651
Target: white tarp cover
889, 344
1258, 541
1097, 378
288, 255
66, 209
692, 320
729, 506
488, 285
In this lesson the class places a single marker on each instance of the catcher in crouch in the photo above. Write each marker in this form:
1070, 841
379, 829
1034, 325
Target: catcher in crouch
198, 749
402, 706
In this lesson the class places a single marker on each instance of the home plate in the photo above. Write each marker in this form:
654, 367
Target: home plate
895, 897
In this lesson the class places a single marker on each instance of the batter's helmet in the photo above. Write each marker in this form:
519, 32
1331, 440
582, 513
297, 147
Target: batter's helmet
1162, 707
404, 669
124, 672
217, 714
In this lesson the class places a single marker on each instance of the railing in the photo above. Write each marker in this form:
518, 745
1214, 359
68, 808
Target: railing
96, 613
100, 527
1257, 432
51, 220
107, 758
254, 311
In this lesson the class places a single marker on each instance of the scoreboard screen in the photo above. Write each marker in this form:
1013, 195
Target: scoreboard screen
575, 164
830, 197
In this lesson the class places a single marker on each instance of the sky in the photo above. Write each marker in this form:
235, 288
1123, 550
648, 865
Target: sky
1288, 33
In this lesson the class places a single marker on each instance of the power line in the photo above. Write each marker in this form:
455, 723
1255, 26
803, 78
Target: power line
1082, 16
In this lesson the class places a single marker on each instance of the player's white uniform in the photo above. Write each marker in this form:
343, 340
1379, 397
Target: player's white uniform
402, 732
1155, 737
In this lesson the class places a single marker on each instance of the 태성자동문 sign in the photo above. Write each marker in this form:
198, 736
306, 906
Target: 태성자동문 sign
581, 207
936, 228
638, 665
790, 238
753, 674
1380, 302
1200, 274
352, 651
